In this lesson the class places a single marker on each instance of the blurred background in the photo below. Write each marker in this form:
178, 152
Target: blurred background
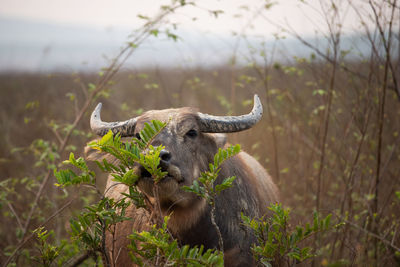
328, 73
44, 36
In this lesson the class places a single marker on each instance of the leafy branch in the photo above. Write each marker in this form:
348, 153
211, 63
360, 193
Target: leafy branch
48, 252
157, 246
277, 243
128, 153
207, 188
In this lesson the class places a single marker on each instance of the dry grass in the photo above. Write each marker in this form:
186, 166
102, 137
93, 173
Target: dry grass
297, 98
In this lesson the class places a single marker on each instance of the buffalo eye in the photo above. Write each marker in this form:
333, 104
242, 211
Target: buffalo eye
192, 133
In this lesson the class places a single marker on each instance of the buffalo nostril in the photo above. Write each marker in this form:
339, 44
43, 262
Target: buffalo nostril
165, 155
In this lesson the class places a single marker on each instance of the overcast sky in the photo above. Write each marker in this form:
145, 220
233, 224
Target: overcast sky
116, 13
51, 33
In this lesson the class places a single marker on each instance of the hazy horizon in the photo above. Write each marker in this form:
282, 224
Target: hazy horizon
27, 45
81, 36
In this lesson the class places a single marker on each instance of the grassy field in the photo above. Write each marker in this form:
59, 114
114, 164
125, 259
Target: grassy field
326, 165
329, 137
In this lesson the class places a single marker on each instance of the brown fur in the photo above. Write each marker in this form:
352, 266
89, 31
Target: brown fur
190, 223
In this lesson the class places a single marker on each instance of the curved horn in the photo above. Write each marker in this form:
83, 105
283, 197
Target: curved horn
230, 124
125, 128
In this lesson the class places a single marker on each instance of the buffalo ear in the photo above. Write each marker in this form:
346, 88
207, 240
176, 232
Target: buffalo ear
219, 139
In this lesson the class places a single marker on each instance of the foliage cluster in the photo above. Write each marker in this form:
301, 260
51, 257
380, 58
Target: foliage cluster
157, 247
278, 244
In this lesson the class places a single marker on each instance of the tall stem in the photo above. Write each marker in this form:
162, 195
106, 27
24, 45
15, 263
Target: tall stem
381, 114
214, 223
325, 132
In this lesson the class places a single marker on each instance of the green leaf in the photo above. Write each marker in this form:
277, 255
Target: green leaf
397, 193
285, 170
319, 92
71, 96
315, 221
225, 184
129, 178
154, 32
106, 138
327, 222
224, 154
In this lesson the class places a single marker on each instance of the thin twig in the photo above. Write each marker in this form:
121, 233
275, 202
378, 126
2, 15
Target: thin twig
335, 38
386, 242
263, 75
105, 256
15, 214
214, 223
84, 89
381, 113
35, 203
157, 207
57, 135
349, 183
23, 242
78, 261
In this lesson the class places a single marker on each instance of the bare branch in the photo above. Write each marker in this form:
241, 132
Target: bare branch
15, 214
26, 239
386, 242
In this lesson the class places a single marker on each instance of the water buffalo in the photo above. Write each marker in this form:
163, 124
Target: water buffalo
191, 139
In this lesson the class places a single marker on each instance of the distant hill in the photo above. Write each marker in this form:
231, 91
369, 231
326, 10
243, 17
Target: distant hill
27, 45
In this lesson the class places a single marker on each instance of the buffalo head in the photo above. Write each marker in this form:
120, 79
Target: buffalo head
190, 138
